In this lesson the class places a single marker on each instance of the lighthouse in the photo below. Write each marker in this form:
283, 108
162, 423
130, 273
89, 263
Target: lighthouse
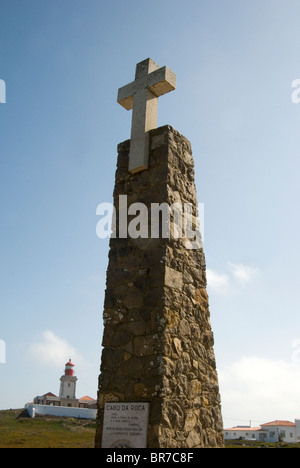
67, 391
66, 404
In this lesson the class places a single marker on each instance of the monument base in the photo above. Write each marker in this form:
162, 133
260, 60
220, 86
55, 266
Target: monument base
158, 342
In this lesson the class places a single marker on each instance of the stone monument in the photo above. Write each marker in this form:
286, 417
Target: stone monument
158, 384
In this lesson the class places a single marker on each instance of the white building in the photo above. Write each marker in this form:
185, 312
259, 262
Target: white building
274, 431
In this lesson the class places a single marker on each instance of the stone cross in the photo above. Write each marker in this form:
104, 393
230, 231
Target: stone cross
141, 96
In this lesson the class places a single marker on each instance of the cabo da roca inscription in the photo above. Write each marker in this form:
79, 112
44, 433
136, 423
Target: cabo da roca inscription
125, 425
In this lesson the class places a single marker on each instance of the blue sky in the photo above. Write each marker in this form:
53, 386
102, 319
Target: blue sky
235, 62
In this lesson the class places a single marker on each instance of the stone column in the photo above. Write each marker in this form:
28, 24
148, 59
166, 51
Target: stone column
158, 342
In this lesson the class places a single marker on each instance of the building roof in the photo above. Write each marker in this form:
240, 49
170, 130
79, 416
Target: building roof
86, 398
279, 422
243, 428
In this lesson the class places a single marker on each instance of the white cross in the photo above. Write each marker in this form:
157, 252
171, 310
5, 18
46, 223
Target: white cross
141, 96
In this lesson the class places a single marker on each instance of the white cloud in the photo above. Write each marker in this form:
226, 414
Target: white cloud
260, 389
243, 273
238, 274
218, 282
53, 351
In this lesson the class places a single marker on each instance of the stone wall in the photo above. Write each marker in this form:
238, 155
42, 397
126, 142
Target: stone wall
158, 342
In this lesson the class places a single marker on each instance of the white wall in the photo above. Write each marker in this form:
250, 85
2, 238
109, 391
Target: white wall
236, 434
287, 433
80, 413
297, 432
267, 433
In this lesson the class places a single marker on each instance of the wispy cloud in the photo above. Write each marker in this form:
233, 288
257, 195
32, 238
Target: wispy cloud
218, 282
243, 273
237, 275
255, 387
53, 350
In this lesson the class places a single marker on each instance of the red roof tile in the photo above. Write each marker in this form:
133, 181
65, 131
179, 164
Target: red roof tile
279, 422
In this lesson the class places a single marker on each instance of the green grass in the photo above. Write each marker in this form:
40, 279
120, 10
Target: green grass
17, 431
256, 444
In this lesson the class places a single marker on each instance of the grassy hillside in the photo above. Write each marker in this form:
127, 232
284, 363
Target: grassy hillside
17, 431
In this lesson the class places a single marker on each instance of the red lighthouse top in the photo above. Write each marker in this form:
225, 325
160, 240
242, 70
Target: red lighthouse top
69, 370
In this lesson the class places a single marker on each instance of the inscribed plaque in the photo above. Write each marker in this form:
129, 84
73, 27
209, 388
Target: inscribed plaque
125, 425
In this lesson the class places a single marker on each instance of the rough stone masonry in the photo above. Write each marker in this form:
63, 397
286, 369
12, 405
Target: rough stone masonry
158, 342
